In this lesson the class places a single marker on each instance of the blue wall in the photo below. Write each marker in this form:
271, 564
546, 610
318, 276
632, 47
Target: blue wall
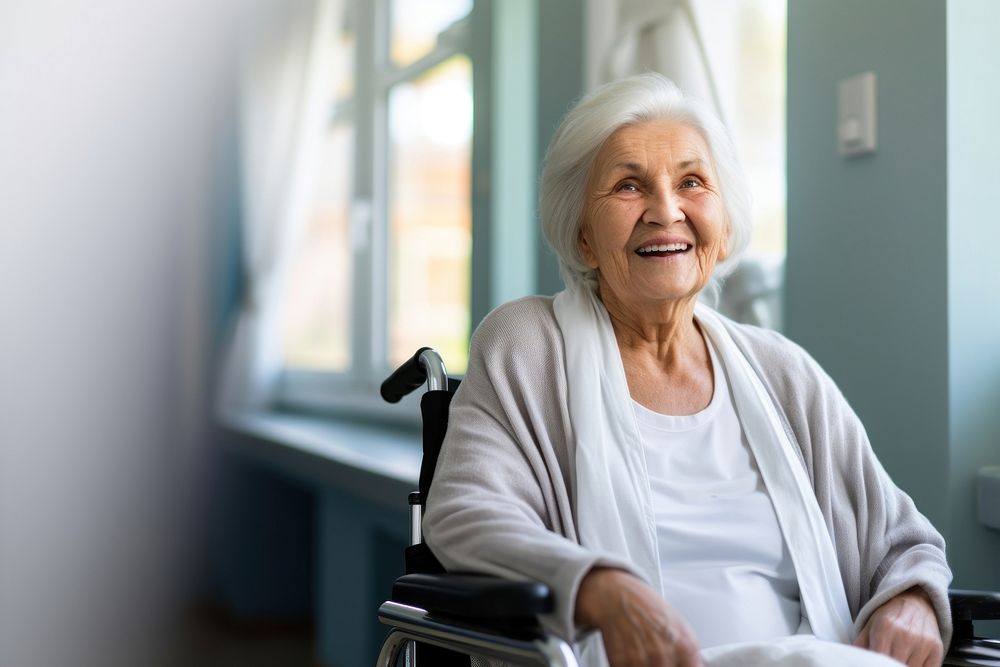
866, 273
890, 282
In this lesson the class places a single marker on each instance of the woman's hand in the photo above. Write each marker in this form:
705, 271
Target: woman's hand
637, 626
905, 628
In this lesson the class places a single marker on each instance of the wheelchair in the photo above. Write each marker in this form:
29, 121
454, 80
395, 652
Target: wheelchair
446, 619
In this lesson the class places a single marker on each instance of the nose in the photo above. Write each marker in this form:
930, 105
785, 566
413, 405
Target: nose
663, 207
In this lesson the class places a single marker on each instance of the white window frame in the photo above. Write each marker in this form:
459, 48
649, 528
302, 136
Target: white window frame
354, 392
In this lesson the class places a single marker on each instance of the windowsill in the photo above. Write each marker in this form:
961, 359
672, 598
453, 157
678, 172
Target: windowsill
320, 393
374, 462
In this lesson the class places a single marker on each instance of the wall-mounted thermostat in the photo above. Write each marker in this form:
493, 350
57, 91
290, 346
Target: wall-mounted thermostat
857, 115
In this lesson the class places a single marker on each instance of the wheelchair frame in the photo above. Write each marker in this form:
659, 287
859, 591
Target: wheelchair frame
412, 624
480, 615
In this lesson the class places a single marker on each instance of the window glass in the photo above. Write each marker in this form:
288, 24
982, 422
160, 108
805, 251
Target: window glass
430, 218
342, 72
416, 25
315, 318
745, 40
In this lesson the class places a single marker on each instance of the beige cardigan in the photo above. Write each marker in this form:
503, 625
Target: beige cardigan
502, 497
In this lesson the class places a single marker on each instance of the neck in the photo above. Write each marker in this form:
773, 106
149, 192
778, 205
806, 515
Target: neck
666, 331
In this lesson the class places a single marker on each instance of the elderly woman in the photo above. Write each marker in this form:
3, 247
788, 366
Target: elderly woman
681, 481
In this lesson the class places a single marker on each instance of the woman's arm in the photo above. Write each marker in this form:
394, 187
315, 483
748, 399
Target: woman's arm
637, 626
905, 628
500, 502
885, 547
903, 575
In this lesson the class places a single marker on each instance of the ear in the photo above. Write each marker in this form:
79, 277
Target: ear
724, 248
585, 248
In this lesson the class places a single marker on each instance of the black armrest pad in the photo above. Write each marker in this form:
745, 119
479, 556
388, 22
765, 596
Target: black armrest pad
473, 595
974, 605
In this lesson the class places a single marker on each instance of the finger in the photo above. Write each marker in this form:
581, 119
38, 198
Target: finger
936, 655
880, 639
901, 649
935, 646
921, 656
862, 640
923, 647
690, 651
660, 653
929, 653
694, 660
688, 654
894, 640
637, 644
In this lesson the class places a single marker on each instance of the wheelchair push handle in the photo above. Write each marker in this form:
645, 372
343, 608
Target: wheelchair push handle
425, 365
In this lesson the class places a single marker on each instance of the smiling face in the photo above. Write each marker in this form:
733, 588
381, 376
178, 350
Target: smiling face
654, 225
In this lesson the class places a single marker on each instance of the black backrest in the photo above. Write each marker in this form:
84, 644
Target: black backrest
434, 407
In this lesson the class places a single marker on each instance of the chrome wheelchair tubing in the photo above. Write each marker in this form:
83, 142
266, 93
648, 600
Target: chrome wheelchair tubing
973, 653
415, 624
391, 647
556, 651
416, 516
433, 365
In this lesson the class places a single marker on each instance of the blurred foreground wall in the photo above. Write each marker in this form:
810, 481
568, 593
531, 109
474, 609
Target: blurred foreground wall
114, 123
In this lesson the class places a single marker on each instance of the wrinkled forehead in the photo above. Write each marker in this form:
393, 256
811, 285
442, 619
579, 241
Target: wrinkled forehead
660, 142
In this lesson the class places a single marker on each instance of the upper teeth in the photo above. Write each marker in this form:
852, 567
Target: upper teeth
664, 247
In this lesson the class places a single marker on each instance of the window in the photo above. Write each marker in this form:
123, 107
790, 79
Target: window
728, 53
385, 266
745, 41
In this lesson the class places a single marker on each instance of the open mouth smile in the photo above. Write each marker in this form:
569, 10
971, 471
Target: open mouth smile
663, 249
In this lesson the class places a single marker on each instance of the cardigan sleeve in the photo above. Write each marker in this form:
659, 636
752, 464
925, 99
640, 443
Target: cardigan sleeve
500, 500
884, 544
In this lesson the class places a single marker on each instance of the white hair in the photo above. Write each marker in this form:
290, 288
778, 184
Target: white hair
636, 99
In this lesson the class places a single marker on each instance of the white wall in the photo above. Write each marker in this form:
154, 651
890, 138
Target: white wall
973, 282
112, 119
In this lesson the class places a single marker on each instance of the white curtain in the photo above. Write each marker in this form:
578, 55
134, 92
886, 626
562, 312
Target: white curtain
285, 109
628, 37
634, 36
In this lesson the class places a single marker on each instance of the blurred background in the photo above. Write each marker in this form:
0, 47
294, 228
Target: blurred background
222, 224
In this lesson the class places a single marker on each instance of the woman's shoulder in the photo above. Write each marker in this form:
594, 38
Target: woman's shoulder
514, 320
518, 340
808, 396
782, 361
535, 306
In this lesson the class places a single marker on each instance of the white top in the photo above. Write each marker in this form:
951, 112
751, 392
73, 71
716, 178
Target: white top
725, 565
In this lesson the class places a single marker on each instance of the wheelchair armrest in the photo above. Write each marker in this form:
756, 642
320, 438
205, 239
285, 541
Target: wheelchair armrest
974, 605
474, 596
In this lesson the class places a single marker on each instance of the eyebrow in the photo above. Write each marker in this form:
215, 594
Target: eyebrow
696, 162
626, 166
635, 166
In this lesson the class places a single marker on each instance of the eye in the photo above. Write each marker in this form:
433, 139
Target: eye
627, 186
690, 182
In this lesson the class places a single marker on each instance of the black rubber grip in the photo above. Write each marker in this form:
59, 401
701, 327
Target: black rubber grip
404, 379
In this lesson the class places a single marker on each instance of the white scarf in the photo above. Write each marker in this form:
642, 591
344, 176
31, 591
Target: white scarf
614, 509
